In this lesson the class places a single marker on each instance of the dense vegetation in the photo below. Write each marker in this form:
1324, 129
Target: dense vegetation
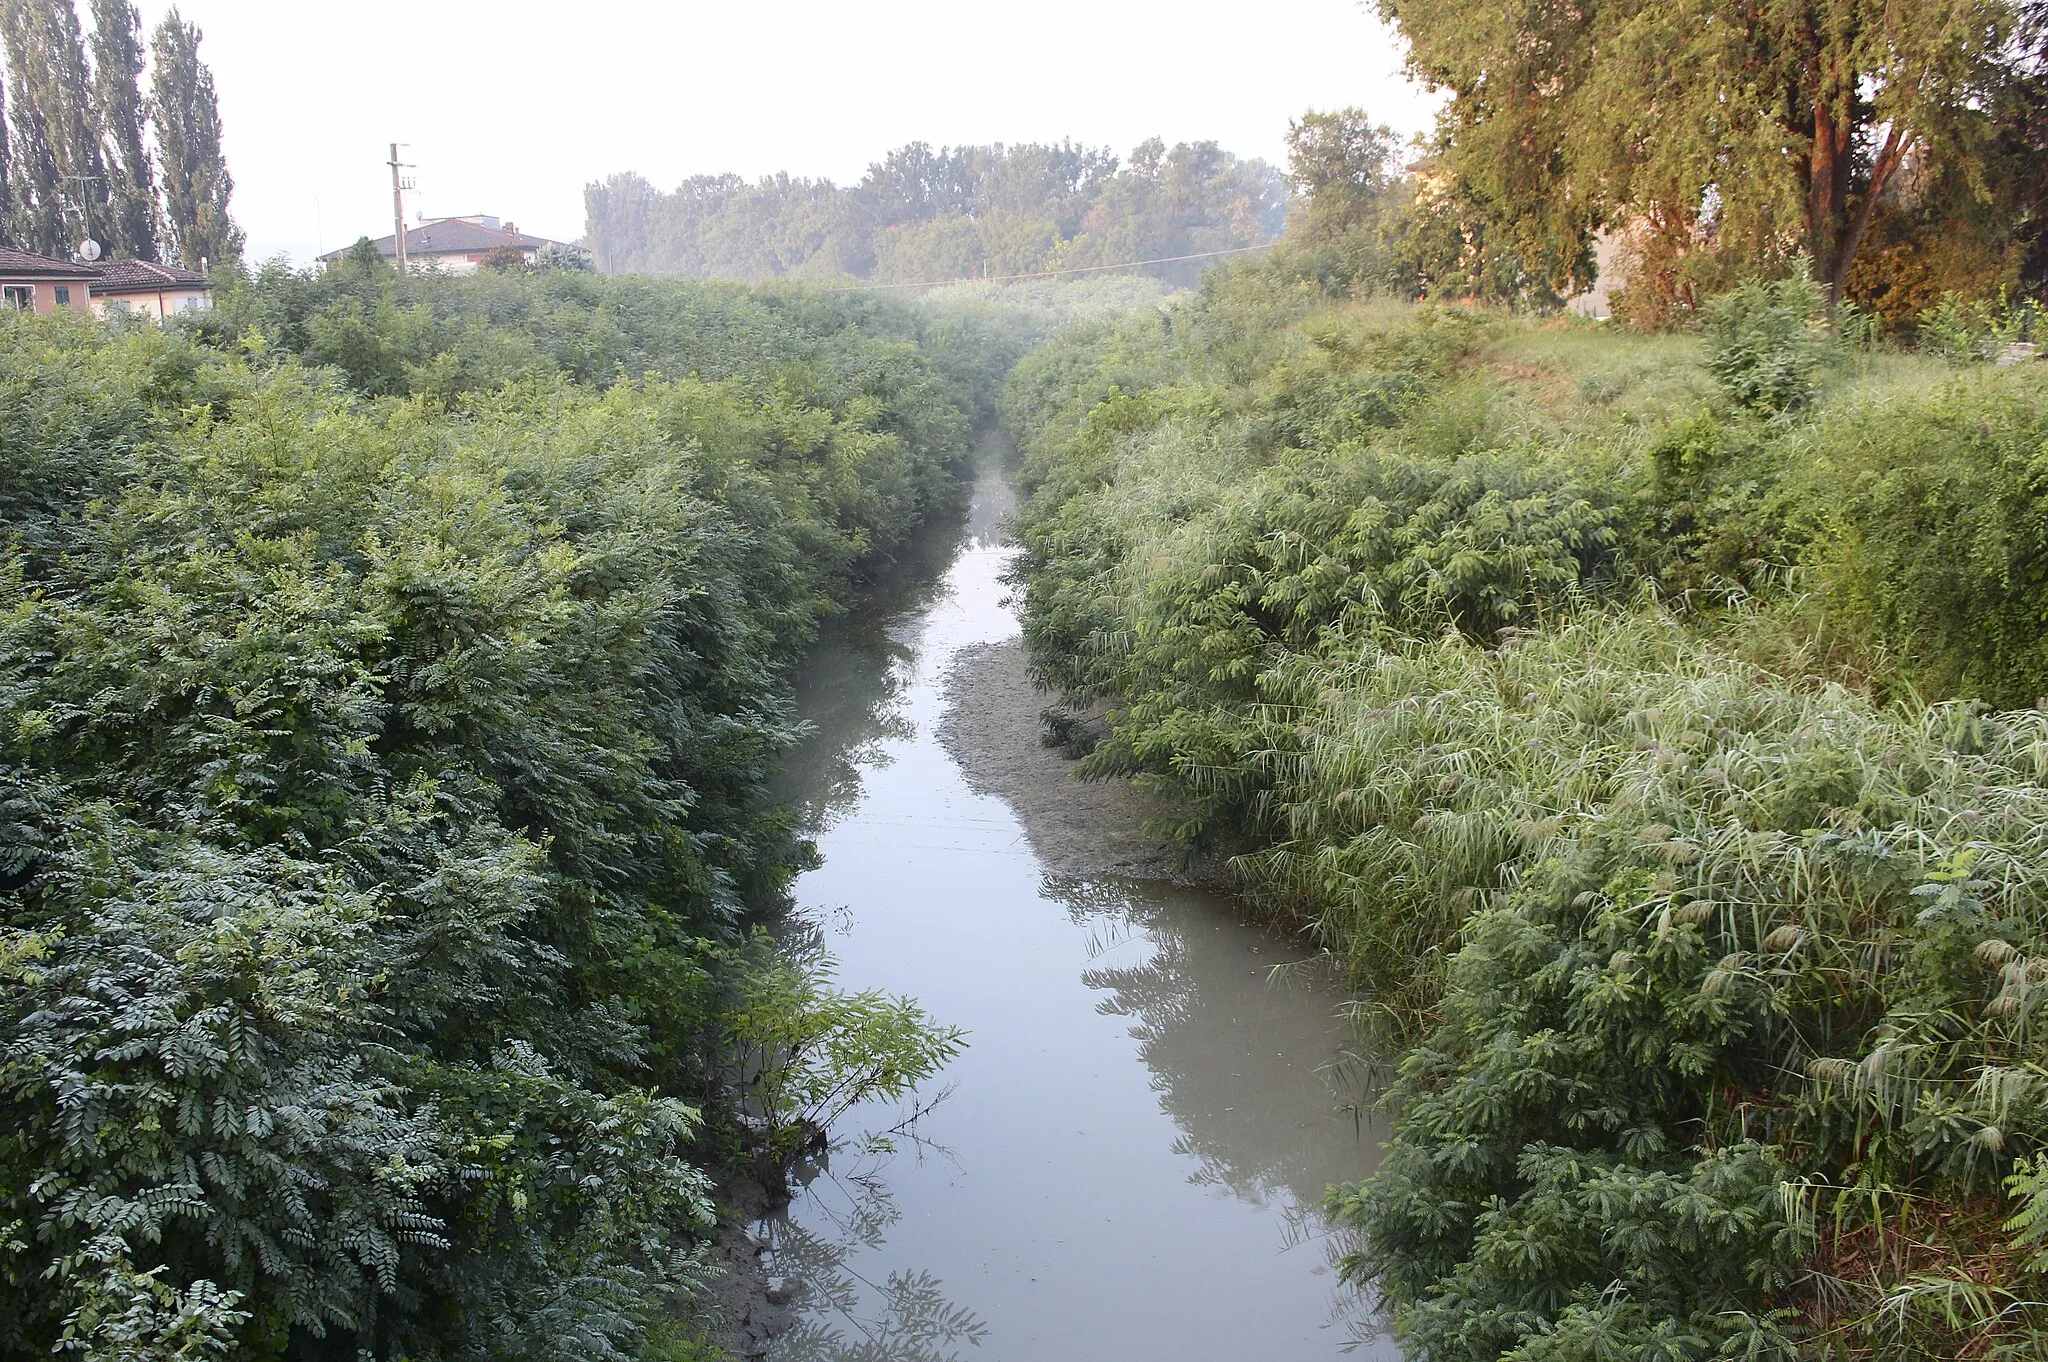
923, 215
1647, 725
1893, 152
389, 672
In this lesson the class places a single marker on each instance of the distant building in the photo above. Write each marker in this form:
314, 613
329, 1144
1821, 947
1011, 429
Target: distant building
455, 245
36, 283
149, 288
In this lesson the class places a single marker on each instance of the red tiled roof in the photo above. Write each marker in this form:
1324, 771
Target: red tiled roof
144, 276
28, 265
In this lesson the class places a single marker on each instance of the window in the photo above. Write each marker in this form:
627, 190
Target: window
63, 295
21, 297
191, 303
120, 305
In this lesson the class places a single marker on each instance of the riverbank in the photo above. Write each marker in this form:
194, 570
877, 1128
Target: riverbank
748, 1309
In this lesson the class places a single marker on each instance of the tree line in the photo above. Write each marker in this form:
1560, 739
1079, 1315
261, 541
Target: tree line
88, 153
1894, 152
925, 214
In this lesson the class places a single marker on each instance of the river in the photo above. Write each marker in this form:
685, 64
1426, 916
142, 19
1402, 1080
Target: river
1124, 1162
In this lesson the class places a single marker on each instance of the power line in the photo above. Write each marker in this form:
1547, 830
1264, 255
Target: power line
1048, 274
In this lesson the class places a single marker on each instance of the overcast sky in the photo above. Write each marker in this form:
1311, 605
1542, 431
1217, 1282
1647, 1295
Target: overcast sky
511, 107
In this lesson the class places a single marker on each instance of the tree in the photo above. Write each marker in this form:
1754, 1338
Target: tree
1341, 166
35, 220
117, 96
6, 174
616, 213
196, 183
1761, 130
2023, 129
63, 176
503, 260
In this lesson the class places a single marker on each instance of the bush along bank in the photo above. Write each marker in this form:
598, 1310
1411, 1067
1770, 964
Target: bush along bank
381, 773
1624, 714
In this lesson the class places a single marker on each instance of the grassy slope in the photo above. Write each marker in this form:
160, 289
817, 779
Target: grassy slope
1669, 920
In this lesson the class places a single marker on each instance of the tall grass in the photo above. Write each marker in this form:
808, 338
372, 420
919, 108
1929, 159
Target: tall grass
1796, 919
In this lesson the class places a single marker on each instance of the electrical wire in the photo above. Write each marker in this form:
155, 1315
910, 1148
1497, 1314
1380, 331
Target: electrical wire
1048, 274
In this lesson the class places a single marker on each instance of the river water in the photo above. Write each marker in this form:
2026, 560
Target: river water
1124, 1162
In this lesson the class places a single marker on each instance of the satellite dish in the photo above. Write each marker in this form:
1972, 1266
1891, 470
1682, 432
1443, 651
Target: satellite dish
88, 249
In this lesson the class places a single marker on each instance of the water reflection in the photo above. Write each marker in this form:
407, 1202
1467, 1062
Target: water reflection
1223, 1042
904, 1316
852, 684
1236, 1059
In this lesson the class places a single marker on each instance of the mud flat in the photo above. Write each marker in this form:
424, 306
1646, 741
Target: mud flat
1077, 827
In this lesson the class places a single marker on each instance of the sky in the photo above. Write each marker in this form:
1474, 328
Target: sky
511, 108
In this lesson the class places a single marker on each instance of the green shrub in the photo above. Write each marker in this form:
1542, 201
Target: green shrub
1933, 514
376, 780
1697, 932
1175, 555
1765, 344
1717, 519
1965, 330
804, 1054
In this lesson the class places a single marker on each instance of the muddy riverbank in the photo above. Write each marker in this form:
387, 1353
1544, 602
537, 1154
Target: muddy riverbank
992, 727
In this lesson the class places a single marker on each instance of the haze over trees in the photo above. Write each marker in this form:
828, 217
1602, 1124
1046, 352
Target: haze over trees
88, 154
925, 214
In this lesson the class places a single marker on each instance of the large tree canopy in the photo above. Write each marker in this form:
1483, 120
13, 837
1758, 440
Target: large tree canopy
1762, 127
60, 187
196, 182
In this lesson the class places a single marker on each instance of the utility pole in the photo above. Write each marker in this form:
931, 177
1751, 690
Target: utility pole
399, 184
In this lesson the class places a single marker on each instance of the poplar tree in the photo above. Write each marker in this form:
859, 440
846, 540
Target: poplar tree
117, 90
37, 185
46, 50
6, 174
196, 184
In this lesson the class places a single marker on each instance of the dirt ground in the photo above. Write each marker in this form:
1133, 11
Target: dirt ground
736, 1289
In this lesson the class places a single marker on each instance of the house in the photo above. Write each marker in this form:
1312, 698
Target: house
151, 289
36, 283
456, 245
